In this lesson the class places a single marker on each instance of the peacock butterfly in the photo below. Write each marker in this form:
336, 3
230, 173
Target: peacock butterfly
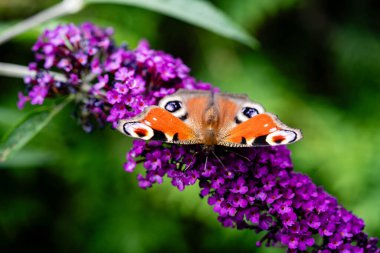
209, 118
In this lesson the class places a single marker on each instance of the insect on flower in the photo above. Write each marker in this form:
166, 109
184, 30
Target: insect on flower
209, 118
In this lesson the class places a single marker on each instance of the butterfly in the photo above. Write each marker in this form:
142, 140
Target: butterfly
210, 119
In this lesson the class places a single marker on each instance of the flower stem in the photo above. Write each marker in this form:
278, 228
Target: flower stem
60, 9
19, 71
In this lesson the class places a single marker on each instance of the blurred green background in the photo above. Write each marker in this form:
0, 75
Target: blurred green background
318, 68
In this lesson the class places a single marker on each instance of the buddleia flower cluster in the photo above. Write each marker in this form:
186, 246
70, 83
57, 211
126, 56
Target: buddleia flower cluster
249, 188
109, 82
257, 189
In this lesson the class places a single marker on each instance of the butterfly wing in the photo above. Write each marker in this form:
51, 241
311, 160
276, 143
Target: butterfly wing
155, 123
179, 118
263, 129
245, 123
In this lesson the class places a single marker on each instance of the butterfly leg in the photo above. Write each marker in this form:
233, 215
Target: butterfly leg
191, 161
237, 153
206, 162
217, 158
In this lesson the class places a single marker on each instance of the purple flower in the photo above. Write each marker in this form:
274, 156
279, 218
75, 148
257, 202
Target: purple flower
123, 74
226, 209
327, 230
253, 214
153, 161
144, 182
335, 241
313, 221
126, 81
129, 166
265, 221
237, 200
290, 240
289, 219
263, 194
154, 73
22, 100
75, 52
283, 206
114, 97
305, 242
239, 186
103, 80
38, 94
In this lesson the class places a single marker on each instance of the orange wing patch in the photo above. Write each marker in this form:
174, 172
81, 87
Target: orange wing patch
259, 125
161, 120
261, 130
156, 123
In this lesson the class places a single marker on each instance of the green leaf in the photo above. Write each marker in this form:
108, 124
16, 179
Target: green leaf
195, 12
8, 116
29, 158
31, 125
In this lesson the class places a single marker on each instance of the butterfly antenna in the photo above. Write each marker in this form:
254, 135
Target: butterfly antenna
191, 162
206, 162
236, 153
217, 158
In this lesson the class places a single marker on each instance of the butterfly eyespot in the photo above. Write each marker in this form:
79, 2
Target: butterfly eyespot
141, 132
173, 106
138, 130
249, 112
280, 137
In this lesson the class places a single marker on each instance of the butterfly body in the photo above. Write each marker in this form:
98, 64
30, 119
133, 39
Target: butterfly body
210, 122
209, 118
